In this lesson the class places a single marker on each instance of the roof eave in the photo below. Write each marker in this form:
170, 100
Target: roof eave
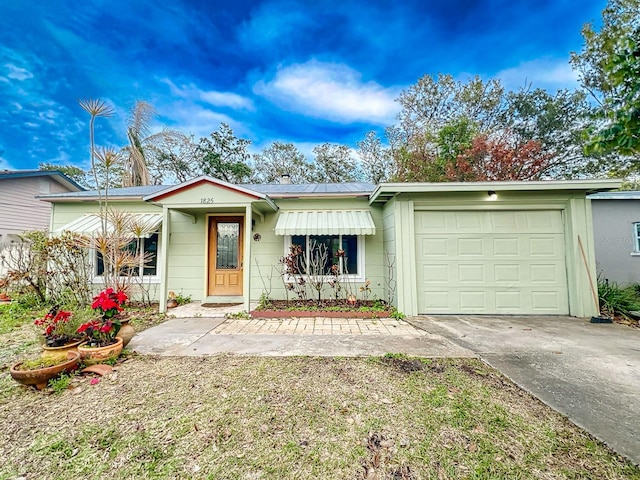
197, 180
591, 186
320, 195
52, 199
152, 198
55, 175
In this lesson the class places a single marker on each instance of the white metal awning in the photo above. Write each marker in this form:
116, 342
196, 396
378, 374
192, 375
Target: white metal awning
330, 222
91, 224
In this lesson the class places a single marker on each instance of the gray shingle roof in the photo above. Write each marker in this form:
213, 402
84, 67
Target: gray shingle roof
272, 190
113, 192
624, 195
55, 174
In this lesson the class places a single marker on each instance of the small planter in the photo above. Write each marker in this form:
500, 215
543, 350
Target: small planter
172, 303
59, 353
40, 376
95, 355
126, 332
316, 313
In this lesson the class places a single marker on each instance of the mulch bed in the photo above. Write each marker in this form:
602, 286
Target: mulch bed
340, 308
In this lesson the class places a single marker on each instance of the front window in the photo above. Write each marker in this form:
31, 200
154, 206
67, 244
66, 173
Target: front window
148, 249
326, 254
636, 236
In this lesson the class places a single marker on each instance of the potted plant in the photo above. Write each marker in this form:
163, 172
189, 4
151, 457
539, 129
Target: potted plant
59, 333
103, 343
39, 371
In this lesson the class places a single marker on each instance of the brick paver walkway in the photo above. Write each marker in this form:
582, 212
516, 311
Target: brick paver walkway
317, 326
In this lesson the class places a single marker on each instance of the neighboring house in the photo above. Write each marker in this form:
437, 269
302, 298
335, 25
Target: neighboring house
616, 233
20, 210
445, 248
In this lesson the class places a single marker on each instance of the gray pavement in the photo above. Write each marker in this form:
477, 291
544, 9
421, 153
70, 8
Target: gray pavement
281, 337
588, 372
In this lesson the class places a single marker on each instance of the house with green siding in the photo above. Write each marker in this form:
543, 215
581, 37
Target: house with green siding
431, 248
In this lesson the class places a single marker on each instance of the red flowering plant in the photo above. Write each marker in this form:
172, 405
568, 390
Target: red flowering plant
58, 327
103, 332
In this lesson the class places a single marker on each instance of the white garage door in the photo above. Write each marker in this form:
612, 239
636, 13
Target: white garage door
484, 262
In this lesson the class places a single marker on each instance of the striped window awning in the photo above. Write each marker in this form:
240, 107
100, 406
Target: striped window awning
330, 222
138, 224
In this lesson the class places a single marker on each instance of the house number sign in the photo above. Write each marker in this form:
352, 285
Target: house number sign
206, 200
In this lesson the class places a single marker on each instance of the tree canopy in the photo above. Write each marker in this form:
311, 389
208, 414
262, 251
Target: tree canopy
609, 68
224, 156
280, 159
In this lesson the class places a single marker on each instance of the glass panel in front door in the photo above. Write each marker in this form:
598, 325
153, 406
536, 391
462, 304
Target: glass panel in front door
227, 245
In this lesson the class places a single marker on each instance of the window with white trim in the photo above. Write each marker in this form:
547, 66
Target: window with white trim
148, 266
636, 236
343, 252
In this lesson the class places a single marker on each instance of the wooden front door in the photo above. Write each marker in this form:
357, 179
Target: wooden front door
225, 255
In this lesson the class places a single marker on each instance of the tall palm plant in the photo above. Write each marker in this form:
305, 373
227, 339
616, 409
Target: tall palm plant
96, 108
137, 171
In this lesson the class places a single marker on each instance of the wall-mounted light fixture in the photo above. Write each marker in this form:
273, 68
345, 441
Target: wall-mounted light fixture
492, 195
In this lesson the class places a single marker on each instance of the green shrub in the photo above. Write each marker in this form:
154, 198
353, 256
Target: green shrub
61, 383
183, 299
617, 300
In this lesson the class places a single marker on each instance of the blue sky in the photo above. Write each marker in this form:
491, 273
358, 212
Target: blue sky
303, 72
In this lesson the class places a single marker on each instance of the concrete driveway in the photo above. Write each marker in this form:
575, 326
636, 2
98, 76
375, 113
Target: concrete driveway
588, 372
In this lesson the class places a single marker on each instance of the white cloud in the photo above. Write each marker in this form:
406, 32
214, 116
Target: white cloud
330, 91
48, 116
193, 119
226, 99
18, 73
541, 73
211, 97
5, 165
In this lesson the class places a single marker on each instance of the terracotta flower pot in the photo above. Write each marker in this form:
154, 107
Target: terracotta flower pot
126, 332
95, 355
59, 353
40, 376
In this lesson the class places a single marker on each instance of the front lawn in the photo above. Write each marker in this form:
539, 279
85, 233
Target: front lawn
232, 417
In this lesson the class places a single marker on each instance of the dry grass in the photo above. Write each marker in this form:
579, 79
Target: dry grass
231, 417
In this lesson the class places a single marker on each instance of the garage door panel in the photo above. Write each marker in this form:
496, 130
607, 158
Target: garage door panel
542, 222
545, 273
545, 247
513, 263
472, 300
432, 247
508, 301
505, 221
506, 247
435, 273
546, 301
470, 246
437, 299
471, 273
467, 222
507, 273
434, 222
